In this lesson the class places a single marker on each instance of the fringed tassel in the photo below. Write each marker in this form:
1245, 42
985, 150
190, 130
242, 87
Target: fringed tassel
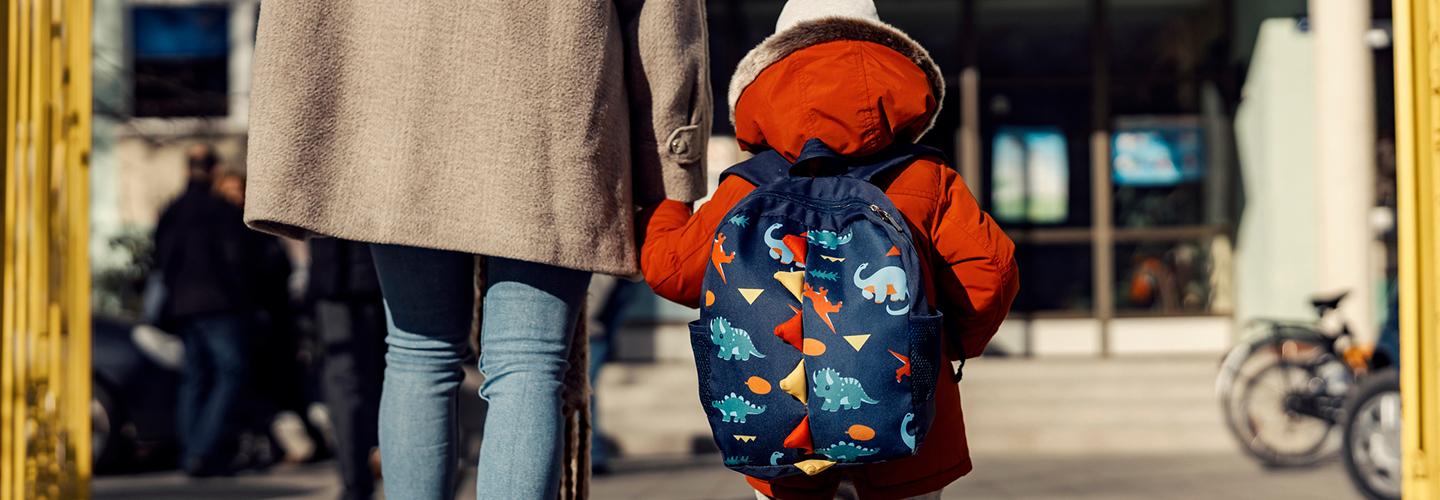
575, 483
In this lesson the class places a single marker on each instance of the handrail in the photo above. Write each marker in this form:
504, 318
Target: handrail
44, 258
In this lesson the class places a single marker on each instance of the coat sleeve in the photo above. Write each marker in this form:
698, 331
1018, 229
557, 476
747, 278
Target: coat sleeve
677, 244
668, 83
975, 274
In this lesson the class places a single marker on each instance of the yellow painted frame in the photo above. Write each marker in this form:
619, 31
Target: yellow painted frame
1417, 114
44, 260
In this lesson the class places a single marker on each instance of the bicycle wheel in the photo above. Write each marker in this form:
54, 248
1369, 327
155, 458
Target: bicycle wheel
1258, 414
1372, 436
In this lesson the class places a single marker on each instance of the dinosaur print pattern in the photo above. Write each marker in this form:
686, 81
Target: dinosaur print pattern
775, 458
736, 461
734, 408
788, 249
885, 284
733, 342
845, 451
829, 240
824, 275
740, 220
821, 302
718, 257
904, 369
905, 434
839, 392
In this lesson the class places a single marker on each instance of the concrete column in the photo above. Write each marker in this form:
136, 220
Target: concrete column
1345, 107
242, 47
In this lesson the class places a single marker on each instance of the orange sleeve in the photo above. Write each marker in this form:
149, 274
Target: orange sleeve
676, 247
976, 292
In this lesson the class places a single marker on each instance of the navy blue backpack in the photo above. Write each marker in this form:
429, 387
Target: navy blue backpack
815, 346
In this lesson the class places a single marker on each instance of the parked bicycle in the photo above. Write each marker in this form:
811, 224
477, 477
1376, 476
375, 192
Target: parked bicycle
1372, 425
1283, 389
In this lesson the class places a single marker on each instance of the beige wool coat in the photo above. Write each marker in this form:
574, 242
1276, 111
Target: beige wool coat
526, 129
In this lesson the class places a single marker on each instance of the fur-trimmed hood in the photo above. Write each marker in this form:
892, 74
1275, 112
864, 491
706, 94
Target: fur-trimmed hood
831, 29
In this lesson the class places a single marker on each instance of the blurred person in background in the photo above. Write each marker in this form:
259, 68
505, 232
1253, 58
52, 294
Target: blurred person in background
350, 318
283, 385
439, 131
610, 299
202, 251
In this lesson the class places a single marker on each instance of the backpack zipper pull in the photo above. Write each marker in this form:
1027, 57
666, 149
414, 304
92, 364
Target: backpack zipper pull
886, 216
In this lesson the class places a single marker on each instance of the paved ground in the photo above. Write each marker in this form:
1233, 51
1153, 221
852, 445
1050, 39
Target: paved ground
1196, 476
1039, 429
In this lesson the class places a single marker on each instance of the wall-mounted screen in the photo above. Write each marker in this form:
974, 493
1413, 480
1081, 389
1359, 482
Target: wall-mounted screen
1150, 151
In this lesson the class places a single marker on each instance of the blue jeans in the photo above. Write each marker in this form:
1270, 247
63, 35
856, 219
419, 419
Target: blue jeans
212, 383
530, 313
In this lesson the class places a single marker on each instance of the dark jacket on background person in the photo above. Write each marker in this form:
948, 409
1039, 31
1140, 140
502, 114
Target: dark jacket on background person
341, 270
203, 252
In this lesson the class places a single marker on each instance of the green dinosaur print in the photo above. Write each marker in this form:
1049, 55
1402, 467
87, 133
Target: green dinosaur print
825, 275
740, 220
839, 392
845, 451
828, 240
734, 408
733, 342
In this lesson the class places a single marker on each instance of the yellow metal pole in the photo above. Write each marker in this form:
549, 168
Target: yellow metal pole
44, 263
1417, 116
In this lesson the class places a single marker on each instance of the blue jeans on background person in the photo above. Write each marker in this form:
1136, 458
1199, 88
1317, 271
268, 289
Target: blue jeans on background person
530, 311
212, 384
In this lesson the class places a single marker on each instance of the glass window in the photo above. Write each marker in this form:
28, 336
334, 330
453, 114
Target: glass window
1055, 278
181, 60
1020, 39
1164, 277
1035, 149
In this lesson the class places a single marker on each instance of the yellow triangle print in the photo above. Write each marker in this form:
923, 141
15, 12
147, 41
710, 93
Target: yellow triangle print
751, 294
857, 341
793, 281
813, 466
794, 383
744, 438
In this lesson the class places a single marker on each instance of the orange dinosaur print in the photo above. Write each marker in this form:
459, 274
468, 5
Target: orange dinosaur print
718, 257
791, 330
822, 304
904, 369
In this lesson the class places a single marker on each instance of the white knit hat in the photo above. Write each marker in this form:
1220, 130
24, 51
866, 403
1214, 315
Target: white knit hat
804, 23
798, 11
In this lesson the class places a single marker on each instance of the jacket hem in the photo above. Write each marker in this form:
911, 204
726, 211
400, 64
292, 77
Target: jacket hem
302, 230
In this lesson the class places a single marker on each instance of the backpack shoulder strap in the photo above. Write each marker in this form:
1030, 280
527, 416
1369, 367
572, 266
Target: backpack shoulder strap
899, 155
761, 169
770, 166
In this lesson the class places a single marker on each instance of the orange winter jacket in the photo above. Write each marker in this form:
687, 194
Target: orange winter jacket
860, 97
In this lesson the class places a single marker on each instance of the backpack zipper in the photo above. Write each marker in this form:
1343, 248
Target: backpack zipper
884, 215
875, 209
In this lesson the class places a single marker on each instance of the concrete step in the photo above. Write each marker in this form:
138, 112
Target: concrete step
1049, 406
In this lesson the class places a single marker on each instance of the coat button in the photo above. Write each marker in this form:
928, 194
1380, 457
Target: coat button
679, 145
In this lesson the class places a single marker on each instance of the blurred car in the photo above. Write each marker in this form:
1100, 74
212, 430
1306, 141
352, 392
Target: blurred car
135, 369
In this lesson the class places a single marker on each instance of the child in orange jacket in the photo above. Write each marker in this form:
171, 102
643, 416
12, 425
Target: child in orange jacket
834, 72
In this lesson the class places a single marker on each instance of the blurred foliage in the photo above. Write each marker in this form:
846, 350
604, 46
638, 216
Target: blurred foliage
119, 289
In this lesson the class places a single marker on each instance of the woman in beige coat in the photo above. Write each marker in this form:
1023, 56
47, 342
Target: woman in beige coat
522, 131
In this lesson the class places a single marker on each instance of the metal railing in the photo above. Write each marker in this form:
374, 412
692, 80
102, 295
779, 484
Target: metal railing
44, 267
1417, 114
